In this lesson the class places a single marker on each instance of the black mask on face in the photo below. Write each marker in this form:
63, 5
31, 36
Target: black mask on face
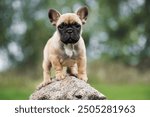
69, 33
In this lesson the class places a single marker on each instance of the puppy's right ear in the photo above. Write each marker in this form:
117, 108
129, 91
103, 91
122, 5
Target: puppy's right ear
53, 16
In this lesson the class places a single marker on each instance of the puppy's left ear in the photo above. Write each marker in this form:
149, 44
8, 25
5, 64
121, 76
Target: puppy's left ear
83, 14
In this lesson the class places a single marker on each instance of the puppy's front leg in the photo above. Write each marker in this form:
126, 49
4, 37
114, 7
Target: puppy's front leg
58, 68
46, 71
82, 69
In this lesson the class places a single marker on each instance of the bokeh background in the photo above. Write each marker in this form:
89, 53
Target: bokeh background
117, 37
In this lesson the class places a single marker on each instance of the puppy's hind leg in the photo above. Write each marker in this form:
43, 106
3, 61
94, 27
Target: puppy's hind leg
73, 70
46, 74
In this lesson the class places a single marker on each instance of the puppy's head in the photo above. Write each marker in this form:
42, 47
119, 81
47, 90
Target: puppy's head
69, 25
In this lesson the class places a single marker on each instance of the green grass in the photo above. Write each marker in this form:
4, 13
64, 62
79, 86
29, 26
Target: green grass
16, 91
124, 92
16, 87
11, 93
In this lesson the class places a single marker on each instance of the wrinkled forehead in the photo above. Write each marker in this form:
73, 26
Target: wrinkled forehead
69, 18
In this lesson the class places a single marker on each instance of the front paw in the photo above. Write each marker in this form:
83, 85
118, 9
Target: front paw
83, 77
60, 76
43, 84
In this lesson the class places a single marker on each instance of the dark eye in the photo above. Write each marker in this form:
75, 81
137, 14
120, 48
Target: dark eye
77, 25
60, 27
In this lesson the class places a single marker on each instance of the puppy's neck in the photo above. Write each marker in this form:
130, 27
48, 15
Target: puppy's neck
69, 49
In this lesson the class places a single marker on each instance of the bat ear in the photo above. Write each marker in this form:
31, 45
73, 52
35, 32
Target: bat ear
53, 16
83, 14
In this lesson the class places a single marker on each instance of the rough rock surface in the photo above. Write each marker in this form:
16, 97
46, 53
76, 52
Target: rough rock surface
70, 88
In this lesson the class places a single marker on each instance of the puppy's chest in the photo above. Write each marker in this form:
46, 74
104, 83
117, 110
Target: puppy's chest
69, 55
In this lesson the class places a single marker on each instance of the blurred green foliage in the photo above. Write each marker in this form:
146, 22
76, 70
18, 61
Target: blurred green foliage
117, 30
116, 33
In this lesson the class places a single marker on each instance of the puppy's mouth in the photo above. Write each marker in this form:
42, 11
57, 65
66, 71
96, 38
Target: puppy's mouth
70, 38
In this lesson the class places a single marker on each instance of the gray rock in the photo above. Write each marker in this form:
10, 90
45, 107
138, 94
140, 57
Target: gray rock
71, 88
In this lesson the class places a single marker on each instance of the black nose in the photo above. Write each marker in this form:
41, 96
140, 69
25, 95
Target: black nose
69, 30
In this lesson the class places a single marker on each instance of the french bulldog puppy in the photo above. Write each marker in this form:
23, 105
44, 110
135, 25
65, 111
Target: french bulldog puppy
66, 48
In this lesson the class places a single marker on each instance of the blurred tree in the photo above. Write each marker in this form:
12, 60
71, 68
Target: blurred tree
127, 24
6, 14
